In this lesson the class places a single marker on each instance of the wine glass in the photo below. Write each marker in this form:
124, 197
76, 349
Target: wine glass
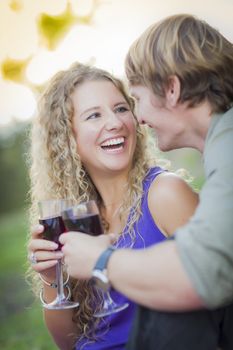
50, 218
84, 217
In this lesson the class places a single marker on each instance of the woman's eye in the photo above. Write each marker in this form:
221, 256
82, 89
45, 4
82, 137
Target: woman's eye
122, 109
93, 116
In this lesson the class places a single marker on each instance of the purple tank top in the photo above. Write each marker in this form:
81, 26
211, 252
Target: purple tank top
113, 331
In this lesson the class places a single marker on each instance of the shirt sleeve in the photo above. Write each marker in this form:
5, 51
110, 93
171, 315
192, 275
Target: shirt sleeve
205, 244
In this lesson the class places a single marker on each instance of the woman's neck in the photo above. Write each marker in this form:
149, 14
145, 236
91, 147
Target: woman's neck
112, 192
114, 219
111, 189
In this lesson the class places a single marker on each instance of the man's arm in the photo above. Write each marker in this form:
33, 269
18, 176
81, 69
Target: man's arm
153, 277
190, 272
194, 270
205, 245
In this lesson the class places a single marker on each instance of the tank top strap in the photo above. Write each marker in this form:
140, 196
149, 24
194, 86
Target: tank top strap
150, 176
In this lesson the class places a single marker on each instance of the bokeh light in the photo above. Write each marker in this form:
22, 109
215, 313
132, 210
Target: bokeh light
42, 37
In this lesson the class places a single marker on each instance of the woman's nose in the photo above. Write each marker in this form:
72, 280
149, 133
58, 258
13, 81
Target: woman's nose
113, 121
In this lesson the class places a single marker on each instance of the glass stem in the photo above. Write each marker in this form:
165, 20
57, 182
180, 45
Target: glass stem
59, 277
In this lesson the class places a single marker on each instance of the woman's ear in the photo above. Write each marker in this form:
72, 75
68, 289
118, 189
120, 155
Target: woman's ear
173, 91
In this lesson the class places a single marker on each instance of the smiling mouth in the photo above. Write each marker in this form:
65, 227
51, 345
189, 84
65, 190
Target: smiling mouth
114, 144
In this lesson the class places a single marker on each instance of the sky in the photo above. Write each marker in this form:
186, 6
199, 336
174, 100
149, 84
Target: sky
114, 26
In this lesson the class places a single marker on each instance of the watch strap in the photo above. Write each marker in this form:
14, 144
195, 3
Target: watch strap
102, 261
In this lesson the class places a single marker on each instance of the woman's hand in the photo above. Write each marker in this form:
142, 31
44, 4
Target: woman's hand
44, 254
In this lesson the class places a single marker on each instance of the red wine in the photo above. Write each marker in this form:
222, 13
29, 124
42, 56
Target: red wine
90, 224
53, 228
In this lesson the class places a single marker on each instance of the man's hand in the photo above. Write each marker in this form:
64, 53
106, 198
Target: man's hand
81, 251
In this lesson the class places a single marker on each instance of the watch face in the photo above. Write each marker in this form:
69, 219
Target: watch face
100, 280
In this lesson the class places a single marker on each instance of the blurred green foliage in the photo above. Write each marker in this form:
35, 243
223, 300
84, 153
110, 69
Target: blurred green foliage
14, 69
191, 161
21, 320
53, 28
14, 180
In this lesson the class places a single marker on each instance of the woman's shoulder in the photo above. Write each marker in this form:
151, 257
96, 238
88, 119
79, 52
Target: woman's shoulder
168, 186
170, 196
152, 173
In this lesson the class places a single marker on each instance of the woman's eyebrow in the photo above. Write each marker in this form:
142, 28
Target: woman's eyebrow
94, 108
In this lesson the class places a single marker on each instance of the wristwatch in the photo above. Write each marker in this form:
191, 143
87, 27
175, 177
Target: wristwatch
99, 272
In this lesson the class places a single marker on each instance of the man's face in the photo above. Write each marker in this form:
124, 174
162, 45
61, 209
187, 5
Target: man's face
168, 122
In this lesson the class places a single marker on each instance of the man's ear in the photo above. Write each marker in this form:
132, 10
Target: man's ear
173, 91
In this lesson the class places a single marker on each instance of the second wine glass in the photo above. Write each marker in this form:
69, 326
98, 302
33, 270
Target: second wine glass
50, 218
84, 217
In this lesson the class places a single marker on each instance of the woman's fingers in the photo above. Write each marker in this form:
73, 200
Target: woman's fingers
41, 244
37, 230
44, 265
43, 255
42, 260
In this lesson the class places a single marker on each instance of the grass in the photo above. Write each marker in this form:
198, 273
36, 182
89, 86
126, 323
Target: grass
21, 319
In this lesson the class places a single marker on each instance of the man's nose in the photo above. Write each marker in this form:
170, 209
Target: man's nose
139, 117
141, 121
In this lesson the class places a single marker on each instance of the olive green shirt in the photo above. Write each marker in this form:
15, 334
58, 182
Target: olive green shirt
205, 244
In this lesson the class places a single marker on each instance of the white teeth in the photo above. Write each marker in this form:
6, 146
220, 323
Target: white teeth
112, 142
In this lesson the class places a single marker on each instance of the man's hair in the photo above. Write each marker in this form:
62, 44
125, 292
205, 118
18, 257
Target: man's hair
191, 49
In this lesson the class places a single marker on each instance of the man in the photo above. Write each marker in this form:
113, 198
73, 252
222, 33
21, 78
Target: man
180, 73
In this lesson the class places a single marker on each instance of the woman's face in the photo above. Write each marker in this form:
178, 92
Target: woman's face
104, 126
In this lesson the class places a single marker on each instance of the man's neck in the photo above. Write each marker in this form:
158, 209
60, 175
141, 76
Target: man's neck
199, 125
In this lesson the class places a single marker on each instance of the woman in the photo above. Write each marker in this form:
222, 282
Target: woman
87, 144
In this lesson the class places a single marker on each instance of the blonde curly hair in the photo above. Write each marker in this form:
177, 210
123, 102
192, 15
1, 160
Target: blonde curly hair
57, 171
